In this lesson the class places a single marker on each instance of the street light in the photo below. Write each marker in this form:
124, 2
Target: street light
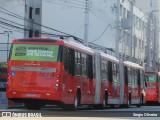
8, 33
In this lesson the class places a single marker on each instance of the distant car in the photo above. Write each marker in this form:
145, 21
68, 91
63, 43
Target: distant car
3, 76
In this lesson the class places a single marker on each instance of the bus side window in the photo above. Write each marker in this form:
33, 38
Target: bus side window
129, 75
66, 59
117, 73
142, 82
93, 67
114, 72
110, 77
126, 75
146, 79
157, 79
90, 66
71, 61
84, 65
138, 78
78, 64
104, 71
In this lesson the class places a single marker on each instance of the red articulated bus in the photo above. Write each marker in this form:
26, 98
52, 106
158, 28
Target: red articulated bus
134, 84
46, 71
153, 85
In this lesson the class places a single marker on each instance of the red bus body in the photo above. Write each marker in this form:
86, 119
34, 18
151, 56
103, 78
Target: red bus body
45, 71
152, 91
38, 81
134, 84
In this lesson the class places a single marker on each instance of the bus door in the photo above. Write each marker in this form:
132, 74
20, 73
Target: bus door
68, 85
90, 72
134, 86
115, 83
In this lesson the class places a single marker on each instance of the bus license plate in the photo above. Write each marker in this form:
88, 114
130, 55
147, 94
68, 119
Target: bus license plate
30, 95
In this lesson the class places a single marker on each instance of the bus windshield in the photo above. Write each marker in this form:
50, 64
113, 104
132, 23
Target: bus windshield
34, 52
151, 78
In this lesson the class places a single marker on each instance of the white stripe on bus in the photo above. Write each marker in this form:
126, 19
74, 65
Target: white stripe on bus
37, 69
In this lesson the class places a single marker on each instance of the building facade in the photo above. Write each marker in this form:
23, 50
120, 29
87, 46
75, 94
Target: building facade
135, 29
152, 55
49, 18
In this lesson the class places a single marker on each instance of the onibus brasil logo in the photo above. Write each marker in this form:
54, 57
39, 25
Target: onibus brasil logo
21, 114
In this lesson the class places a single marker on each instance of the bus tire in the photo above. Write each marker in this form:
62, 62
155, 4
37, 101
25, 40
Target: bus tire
142, 99
76, 104
33, 106
129, 101
77, 101
105, 100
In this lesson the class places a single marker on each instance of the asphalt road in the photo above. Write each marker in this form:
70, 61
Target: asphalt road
144, 112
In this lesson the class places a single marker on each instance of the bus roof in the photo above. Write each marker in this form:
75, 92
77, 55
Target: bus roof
79, 47
152, 72
131, 64
69, 44
40, 40
109, 57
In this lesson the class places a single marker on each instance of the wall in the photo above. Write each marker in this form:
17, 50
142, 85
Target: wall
11, 19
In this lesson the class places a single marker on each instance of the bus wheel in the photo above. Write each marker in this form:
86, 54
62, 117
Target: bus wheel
33, 106
138, 105
77, 100
142, 100
129, 100
75, 105
105, 100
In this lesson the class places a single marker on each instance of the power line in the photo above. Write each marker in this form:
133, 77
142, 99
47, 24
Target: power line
22, 29
102, 33
63, 4
22, 18
100, 18
95, 9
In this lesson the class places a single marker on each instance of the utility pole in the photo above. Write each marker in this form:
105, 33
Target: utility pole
8, 32
131, 28
86, 24
148, 54
155, 44
117, 30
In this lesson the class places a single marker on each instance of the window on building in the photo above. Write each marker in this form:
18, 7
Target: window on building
135, 41
142, 45
30, 33
25, 8
140, 23
30, 12
124, 12
37, 11
128, 39
139, 43
128, 14
37, 34
125, 37
121, 10
137, 22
